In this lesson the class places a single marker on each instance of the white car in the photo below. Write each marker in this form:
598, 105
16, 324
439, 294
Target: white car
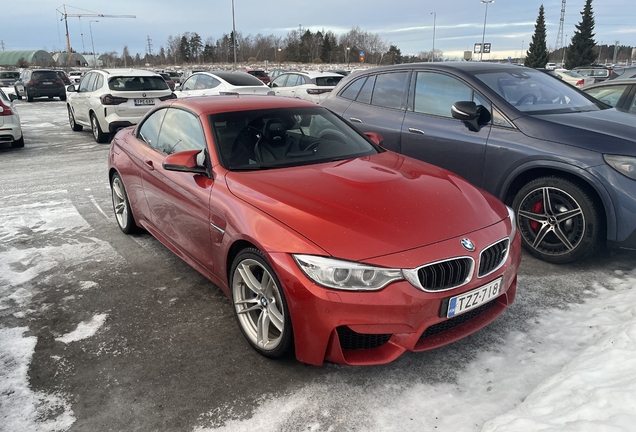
574, 78
75, 76
10, 129
311, 86
110, 99
216, 83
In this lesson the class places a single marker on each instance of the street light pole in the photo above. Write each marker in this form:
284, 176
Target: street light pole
233, 36
521, 55
348, 49
564, 48
483, 35
433, 51
279, 50
92, 44
600, 47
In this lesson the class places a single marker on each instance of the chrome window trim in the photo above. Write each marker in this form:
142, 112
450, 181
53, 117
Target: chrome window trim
411, 274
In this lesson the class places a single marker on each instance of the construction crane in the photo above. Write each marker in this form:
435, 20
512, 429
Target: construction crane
82, 15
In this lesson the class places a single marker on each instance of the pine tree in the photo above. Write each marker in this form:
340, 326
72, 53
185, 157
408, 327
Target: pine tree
537, 55
581, 51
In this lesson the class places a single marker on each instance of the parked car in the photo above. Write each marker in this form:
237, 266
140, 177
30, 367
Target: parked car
110, 99
322, 240
10, 129
215, 83
340, 71
599, 73
276, 72
174, 76
8, 78
550, 66
311, 86
75, 76
550, 72
63, 76
623, 73
564, 161
35, 83
168, 80
620, 94
260, 74
574, 78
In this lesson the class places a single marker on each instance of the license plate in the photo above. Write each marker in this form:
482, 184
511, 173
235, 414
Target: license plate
144, 101
470, 300
47, 83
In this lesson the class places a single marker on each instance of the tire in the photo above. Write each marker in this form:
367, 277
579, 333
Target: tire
71, 121
18, 143
255, 307
17, 93
50, 97
569, 228
99, 136
28, 96
62, 97
121, 206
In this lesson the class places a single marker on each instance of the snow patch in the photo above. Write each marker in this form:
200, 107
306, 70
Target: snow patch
84, 330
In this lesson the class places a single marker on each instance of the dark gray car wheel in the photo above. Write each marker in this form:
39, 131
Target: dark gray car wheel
259, 304
71, 121
559, 221
121, 206
99, 136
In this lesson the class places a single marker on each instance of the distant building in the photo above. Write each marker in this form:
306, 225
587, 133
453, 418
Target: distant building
77, 60
26, 58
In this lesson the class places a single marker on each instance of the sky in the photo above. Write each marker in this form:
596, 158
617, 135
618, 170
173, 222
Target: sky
408, 24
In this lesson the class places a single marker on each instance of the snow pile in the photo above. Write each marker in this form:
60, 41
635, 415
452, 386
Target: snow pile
84, 330
597, 390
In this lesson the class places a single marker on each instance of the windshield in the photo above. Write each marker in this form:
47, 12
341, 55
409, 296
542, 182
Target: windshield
534, 92
274, 138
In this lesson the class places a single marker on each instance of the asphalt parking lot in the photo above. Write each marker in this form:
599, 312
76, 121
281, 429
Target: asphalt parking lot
165, 352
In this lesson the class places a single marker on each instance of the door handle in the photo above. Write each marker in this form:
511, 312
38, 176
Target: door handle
149, 164
355, 120
417, 131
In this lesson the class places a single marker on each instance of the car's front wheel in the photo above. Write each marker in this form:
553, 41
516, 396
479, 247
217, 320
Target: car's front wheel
99, 136
71, 121
559, 221
260, 305
121, 206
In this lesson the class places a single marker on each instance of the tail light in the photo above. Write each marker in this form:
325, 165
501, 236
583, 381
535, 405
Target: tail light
33, 83
59, 81
109, 99
170, 96
5, 110
580, 82
317, 91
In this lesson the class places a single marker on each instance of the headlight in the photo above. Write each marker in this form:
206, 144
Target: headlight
346, 275
625, 165
513, 222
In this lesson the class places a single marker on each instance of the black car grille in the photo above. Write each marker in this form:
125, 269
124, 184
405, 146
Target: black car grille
492, 257
350, 340
445, 275
455, 321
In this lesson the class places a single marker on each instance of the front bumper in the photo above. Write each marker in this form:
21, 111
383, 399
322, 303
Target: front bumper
370, 328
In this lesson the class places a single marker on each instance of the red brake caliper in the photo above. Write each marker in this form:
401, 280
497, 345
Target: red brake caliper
536, 208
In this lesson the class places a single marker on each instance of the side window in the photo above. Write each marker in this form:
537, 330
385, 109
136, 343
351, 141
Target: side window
279, 81
436, 93
609, 95
149, 130
499, 120
99, 82
189, 84
206, 82
180, 131
390, 89
295, 80
86, 81
353, 89
367, 90
632, 108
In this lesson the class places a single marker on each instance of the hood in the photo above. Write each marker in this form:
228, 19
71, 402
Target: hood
604, 131
371, 206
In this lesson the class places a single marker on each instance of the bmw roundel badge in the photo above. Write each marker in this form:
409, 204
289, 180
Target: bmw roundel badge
143, 95
468, 244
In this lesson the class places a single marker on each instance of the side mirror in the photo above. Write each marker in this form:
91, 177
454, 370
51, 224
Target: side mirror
71, 89
191, 161
472, 115
375, 137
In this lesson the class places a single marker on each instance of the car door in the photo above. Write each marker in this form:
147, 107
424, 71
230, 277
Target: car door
186, 89
279, 85
431, 134
179, 202
80, 99
206, 86
379, 106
